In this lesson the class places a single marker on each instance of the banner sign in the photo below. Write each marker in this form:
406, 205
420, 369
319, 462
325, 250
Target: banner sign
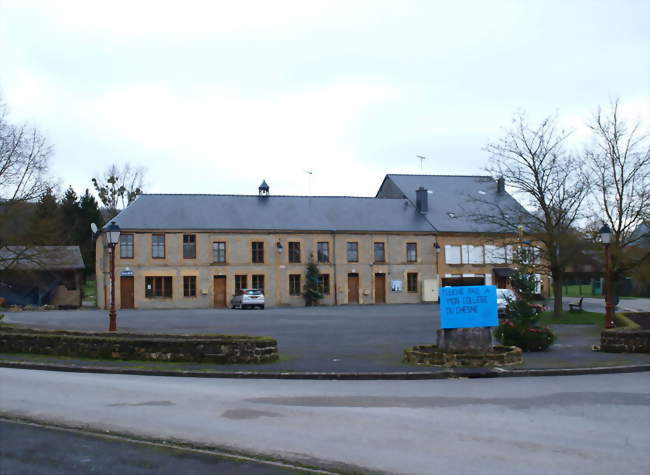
468, 307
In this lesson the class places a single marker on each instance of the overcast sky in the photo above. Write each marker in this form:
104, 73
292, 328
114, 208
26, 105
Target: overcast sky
214, 96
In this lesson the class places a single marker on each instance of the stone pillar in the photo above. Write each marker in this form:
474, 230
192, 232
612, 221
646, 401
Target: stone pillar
465, 340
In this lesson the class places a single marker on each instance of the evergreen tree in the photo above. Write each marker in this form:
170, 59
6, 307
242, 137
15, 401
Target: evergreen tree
312, 292
88, 213
70, 213
47, 226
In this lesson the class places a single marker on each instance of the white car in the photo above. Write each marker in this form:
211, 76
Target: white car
503, 297
249, 298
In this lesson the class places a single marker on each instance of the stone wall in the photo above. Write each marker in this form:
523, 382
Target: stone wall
224, 349
625, 340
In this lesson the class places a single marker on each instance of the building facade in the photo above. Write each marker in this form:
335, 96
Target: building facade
198, 251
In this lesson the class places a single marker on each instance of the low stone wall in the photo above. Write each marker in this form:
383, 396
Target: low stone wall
625, 340
432, 355
631, 338
224, 349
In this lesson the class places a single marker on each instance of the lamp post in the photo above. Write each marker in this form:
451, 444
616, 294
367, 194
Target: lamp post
112, 237
606, 237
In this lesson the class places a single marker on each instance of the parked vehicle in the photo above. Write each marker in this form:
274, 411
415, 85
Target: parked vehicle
507, 295
249, 298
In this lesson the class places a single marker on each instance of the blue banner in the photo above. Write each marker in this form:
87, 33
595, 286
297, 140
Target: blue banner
468, 307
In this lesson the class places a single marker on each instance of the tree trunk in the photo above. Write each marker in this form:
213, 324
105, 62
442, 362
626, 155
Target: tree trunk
557, 297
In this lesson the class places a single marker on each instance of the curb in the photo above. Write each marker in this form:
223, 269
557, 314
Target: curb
496, 372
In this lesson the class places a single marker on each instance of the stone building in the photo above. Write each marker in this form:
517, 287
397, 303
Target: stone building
193, 251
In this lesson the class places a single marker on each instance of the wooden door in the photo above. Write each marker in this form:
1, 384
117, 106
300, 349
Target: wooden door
127, 294
353, 288
380, 288
219, 291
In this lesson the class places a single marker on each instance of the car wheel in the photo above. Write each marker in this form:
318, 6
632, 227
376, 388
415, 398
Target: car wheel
261, 307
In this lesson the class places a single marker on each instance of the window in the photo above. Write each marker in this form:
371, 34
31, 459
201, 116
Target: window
258, 251
324, 284
411, 252
219, 252
189, 286
126, 246
158, 287
294, 284
294, 252
323, 252
189, 246
158, 246
452, 254
473, 255
258, 282
353, 252
380, 254
498, 254
241, 282
412, 282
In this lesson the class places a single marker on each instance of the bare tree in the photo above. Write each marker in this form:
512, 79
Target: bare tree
550, 184
24, 155
619, 162
119, 186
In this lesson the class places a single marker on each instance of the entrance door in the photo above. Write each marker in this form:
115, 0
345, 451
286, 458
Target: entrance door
380, 288
127, 295
353, 288
219, 291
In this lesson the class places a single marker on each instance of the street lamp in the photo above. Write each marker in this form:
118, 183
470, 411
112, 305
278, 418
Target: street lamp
606, 238
112, 237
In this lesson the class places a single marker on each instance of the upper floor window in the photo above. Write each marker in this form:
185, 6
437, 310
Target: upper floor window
158, 246
452, 254
411, 252
219, 252
353, 252
323, 252
189, 246
380, 253
294, 252
258, 251
126, 246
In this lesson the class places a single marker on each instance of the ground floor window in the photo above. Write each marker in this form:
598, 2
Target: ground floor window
258, 282
158, 287
294, 284
412, 282
324, 284
189, 286
241, 282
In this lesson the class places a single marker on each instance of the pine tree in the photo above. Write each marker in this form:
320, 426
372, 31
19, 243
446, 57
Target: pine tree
47, 226
70, 212
88, 213
312, 291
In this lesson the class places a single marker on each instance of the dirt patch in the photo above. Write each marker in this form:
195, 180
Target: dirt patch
641, 318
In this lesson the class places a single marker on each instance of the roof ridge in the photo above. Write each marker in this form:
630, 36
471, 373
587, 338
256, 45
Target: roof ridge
257, 196
448, 176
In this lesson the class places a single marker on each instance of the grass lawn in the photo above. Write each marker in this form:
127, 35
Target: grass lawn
584, 290
575, 318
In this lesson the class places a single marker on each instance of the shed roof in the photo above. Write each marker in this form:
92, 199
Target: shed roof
41, 258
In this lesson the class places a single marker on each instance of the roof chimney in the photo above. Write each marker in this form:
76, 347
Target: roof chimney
422, 200
263, 189
501, 185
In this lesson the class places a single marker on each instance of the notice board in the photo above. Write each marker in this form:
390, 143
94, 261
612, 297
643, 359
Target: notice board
468, 307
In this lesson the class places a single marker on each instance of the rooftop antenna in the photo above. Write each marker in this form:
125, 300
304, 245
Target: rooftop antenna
309, 173
422, 159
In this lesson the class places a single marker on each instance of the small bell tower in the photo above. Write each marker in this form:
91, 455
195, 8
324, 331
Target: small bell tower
263, 190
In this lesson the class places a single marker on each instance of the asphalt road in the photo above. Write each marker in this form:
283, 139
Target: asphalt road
36, 450
595, 424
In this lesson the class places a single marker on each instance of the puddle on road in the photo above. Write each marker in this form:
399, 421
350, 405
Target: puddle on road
247, 414
144, 403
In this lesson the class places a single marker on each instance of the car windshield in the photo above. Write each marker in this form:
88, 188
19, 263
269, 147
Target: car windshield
253, 292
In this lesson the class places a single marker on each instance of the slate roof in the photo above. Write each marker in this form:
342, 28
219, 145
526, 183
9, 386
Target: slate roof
41, 258
456, 202
251, 212
392, 210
